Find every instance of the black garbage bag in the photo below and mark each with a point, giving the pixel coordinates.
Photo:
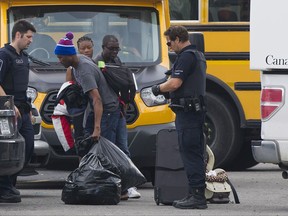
(129, 173)
(96, 182)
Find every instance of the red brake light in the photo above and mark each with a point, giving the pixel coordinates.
(271, 95)
(271, 102)
(267, 110)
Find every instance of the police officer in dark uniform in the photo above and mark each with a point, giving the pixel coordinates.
(186, 87)
(14, 77)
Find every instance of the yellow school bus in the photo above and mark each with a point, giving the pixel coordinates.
(139, 23)
(233, 108)
(233, 91)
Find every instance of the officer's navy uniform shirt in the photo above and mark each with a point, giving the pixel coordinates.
(183, 65)
(14, 73)
(190, 67)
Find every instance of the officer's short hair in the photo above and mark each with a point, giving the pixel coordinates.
(22, 26)
(177, 31)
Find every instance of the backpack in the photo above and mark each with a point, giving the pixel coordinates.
(121, 80)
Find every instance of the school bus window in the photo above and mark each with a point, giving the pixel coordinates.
(184, 9)
(245, 10)
(229, 10)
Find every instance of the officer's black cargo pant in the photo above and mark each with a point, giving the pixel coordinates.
(189, 126)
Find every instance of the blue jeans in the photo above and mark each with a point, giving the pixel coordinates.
(26, 130)
(189, 126)
(113, 128)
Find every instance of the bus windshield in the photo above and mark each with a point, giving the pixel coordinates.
(136, 29)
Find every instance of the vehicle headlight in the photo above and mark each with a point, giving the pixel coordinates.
(31, 93)
(150, 99)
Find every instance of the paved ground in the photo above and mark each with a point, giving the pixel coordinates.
(261, 190)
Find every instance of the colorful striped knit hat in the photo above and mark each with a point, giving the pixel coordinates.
(65, 46)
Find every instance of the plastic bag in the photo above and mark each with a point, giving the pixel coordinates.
(96, 181)
(129, 173)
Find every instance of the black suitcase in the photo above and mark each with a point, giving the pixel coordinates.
(170, 178)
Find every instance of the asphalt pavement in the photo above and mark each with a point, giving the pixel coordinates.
(261, 190)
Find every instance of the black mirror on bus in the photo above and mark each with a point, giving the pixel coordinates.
(197, 39)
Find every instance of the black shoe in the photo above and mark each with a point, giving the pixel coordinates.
(196, 200)
(191, 203)
(182, 200)
(15, 191)
(10, 198)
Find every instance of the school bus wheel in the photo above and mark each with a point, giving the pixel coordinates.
(222, 130)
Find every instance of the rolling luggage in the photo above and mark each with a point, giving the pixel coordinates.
(170, 178)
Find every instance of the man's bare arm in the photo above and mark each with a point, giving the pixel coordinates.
(171, 85)
(98, 110)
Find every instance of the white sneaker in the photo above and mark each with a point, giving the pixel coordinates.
(133, 193)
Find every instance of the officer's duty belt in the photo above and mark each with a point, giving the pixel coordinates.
(189, 104)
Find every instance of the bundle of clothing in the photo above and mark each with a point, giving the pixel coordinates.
(70, 102)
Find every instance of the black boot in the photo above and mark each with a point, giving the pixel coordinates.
(181, 200)
(9, 197)
(195, 200)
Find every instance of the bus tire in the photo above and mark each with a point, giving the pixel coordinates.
(244, 159)
(222, 130)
